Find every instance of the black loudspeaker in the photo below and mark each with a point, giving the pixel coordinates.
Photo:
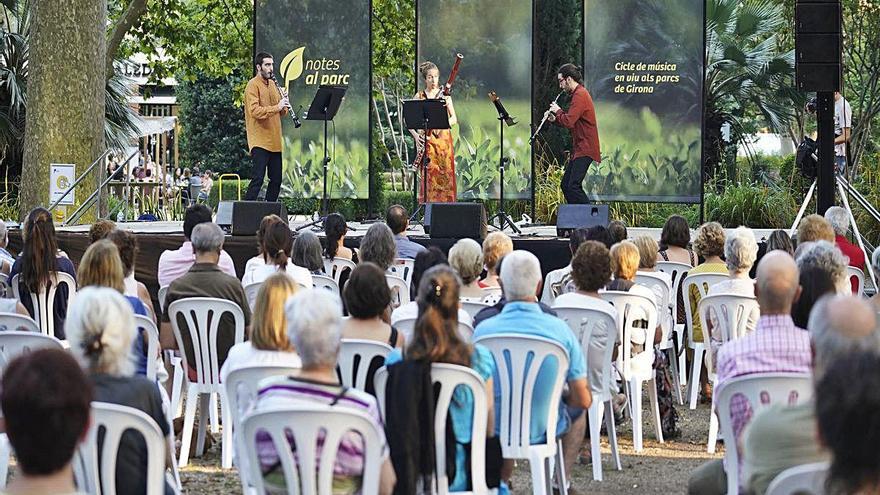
(818, 45)
(572, 217)
(244, 217)
(455, 220)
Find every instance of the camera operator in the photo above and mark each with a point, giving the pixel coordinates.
(842, 128)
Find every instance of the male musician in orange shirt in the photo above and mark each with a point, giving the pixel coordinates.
(263, 109)
(580, 119)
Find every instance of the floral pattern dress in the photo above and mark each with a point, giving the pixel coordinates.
(441, 166)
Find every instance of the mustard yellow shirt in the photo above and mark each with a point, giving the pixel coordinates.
(261, 116)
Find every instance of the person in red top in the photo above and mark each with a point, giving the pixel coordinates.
(580, 119)
(838, 217)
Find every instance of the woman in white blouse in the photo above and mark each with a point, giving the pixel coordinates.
(275, 248)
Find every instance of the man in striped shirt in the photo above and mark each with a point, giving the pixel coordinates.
(776, 346)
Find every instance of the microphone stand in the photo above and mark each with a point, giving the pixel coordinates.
(503, 118)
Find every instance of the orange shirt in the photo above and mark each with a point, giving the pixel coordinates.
(261, 116)
(581, 120)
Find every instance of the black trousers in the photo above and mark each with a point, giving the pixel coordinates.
(263, 160)
(573, 180)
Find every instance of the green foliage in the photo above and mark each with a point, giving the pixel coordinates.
(303, 173)
(751, 204)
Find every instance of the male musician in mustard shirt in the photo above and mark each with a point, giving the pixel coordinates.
(263, 109)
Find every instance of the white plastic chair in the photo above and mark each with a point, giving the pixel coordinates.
(163, 292)
(326, 283)
(336, 267)
(43, 303)
(450, 376)
(400, 296)
(473, 307)
(760, 390)
(250, 291)
(702, 282)
(15, 321)
(407, 327)
(197, 311)
(678, 271)
(517, 382)
(806, 478)
(305, 424)
(668, 344)
(491, 295)
(239, 392)
(596, 328)
(403, 268)
(97, 477)
(731, 315)
(355, 356)
(852, 271)
(637, 369)
(152, 343)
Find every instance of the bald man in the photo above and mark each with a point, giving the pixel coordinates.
(776, 345)
(784, 436)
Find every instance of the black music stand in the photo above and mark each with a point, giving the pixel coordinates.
(503, 118)
(424, 115)
(324, 106)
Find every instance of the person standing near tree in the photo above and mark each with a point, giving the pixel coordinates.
(263, 110)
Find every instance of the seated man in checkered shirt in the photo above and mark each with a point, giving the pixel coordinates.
(776, 346)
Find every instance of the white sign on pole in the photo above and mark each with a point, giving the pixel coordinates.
(61, 177)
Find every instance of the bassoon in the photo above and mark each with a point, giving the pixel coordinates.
(446, 90)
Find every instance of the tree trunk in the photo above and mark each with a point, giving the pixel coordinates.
(65, 117)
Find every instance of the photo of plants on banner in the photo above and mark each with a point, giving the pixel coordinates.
(311, 41)
(643, 64)
(496, 41)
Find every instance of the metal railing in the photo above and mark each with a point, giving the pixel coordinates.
(95, 197)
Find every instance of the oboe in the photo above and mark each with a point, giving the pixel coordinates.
(546, 115)
(281, 92)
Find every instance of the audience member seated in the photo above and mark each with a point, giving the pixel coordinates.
(780, 240)
(127, 244)
(101, 229)
(784, 436)
(648, 249)
(101, 267)
(839, 220)
(848, 419)
(276, 249)
(495, 246)
(875, 265)
(486, 313)
(559, 281)
(101, 330)
(335, 229)
(259, 260)
(378, 246)
(398, 221)
(675, 240)
(368, 300)
(46, 402)
(776, 345)
(617, 231)
(822, 270)
(436, 340)
(6, 258)
(709, 245)
(313, 322)
(424, 261)
(466, 258)
(814, 228)
(40, 257)
(521, 281)
(174, 264)
(624, 265)
(307, 252)
(268, 344)
(205, 279)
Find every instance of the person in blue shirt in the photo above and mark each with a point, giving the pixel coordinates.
(397, 220)
(521, 282)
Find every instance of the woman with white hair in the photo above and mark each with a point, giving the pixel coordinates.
(100, 328)
(466, 258)
(314, 325)
(838, 217)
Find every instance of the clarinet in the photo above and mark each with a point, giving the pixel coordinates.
(544, 120)
(296, 122)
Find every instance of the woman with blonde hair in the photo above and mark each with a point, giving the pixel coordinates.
(648, 253)
(624, 265)
(495, 246)
(268, 344)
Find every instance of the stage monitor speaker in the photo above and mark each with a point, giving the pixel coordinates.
(572, 217)
(455, 220)
(244, 217)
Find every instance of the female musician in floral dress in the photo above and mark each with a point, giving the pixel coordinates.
(441, 153)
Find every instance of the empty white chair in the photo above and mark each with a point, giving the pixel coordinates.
(399, 290)
(152, 343)
(668, 344)
(473, 307)
(407, 326)
(700, 282)
(240, 390)
(491, 295)
(305, 424)
(336, 267)
(15, 321)
(760, 391)
(596, 328)
(632, 309)
(43, 303)
(450, 376)
(355, 357)
(250, 291)
(677, 271)
(403, 268)
(97, 477)
(202, 316)
(806, 478)
(326, 283)
(852, 271)
(517, 380)
(731, 314)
